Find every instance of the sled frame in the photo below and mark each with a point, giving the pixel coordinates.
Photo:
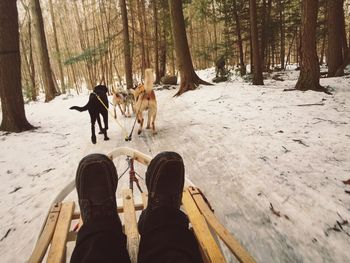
(63, 222)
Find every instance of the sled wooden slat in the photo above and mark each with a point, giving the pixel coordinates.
(120, 209)
(144, 200)
(233, 244)
(59, 240)
(205, 239)
(46, 235)
(131, 227)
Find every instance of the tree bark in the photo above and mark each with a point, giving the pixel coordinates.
(29, 62)
(346, 48)
(163, 45)
(12, 103)
(127, 58)
(142, 38)
(257, 74)
(309, 78)
(156, 40)
(239, 40)
(41, 47)
(189, 78)
(57, 49)
(282, 34)
(335, 52)
(215, 31)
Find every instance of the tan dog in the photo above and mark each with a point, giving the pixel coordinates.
(145, 100)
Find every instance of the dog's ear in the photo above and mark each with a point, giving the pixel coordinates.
(142, 88)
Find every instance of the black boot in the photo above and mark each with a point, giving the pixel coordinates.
(96, 183)
(165, 178)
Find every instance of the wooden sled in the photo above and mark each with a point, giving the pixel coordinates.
(60, 226)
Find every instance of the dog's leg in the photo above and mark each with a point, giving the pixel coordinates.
(105, 121)
(140, 118)
(149, 119)
(93, 118)
(121, 110)
(99, 124)
(115, 112)
(154, 115)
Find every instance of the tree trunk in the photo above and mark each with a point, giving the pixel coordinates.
(189, 78)
(163, 46)
(34, 92)
(83, 43)
(335, 52)
(309, 78)
(282, 33)
(57, 49)
(257, 74)
(263, 34)
(215, 31)
(12, 103)
(127, 58)
(323, 47)
(346, 48)
(156, 40)
(145, 29)
(142, 38)
(239, 40)
(41, 48)
(290, 49)
(29, 62)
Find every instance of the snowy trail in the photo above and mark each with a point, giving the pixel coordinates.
(246, 147)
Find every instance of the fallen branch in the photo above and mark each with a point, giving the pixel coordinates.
(311, 104)
(285, 149)
(338, 226)
(16, 189)
(347, 182)
(301, 142)
(277, 213)
(7, 233)
(42, 173)
(289, 89)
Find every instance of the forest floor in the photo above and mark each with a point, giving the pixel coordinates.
(275, 165)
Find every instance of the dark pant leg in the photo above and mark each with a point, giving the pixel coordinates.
(101, 240)
(165, 238)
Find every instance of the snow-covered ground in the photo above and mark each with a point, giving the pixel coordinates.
(271, 164)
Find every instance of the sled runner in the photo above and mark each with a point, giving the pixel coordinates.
(63, 221)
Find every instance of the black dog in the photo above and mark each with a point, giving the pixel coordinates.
(95, 108)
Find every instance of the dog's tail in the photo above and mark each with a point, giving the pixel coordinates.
(149, 79)
(80, 108)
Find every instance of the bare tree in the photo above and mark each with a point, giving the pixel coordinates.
(127, 58)
(57, 48)
(13, 113)
(257, 72)
(189, 78)
(335, 53)
(239, 39)
(156, 40)
(41, 48)
(309, 78)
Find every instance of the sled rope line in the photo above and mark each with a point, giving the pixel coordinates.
(116, 120)
(133, 126)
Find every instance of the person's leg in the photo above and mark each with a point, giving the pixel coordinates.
(100, 239)
(165, 236)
